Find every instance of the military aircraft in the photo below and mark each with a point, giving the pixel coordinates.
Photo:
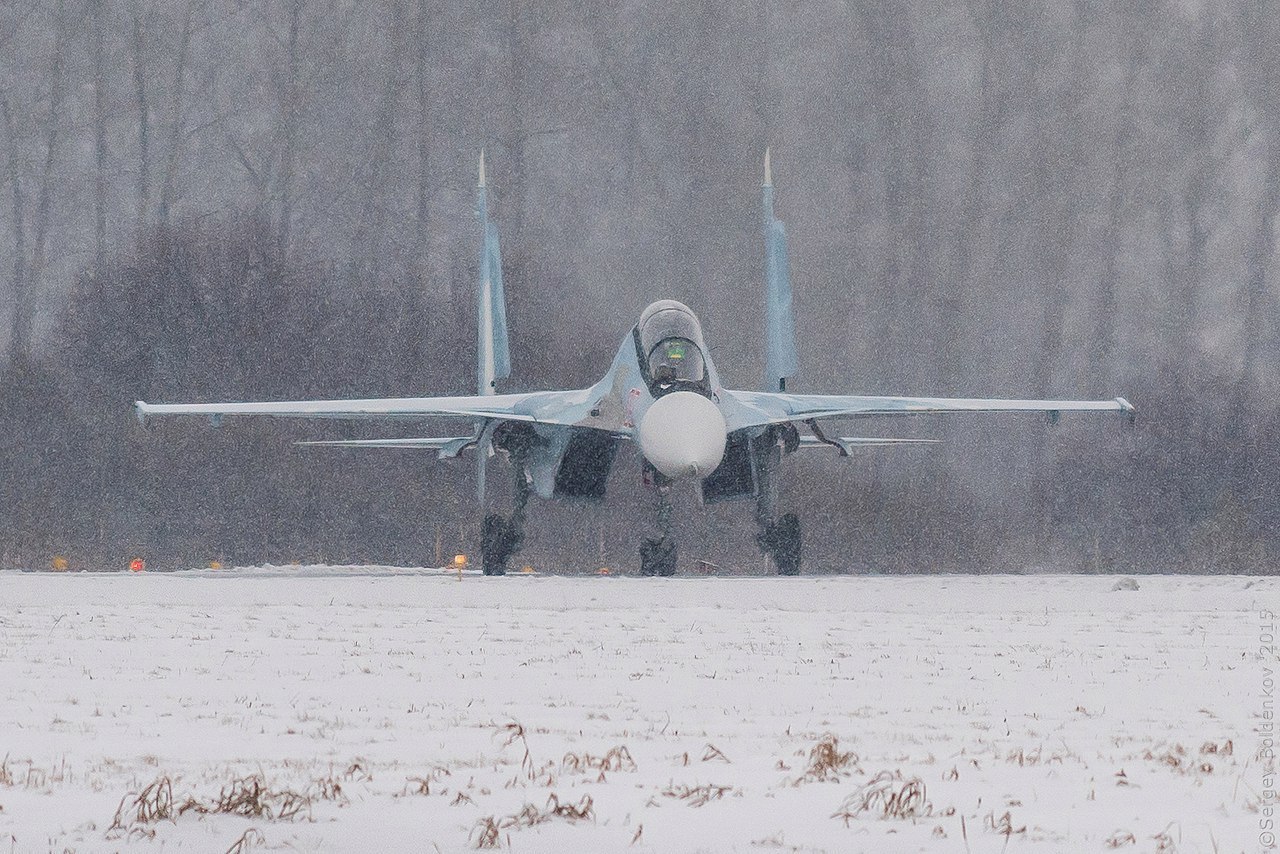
(662, 392)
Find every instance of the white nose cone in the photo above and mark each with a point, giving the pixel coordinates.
(683, 435)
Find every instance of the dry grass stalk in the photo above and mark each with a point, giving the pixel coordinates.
(247, 840)
(1119, 839)
(356, 770)
(1210, 747)
(1024, 758)
(486, 834)
(617, 759)
(462, 798)
(423, 784)
(515, 733)
(887, 795)
(250, 797)
(583, 810)
(530, 816)
(696, 796)
(713, 753)
(136, 811)
(639, 833)
(6, 776)
(328, 789)
(826, 762)
(1003, 825)
(489, 830)
(1166, 842)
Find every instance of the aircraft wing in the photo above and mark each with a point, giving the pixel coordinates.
(544, 407)
(757, 408)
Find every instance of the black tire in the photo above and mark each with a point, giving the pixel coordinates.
(786, 538)
(494, 551)
(658, 557)
(780, 540)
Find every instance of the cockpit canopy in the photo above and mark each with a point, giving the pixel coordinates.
(671, 345)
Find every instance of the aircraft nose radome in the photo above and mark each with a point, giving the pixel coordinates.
(683, 434)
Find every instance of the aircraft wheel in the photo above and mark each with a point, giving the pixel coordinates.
(781, 541)
(496, 544)
(787, 555)
(658, 557)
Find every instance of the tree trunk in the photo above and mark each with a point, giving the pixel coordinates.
(372, 211)
(24, 303)
(99, 134)
(289, 132)
(176, 110)
(144, 118)
(19, 220)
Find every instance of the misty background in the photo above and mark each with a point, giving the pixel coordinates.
(252, 200)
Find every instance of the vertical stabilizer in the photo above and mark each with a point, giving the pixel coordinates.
(780, 330)
(493, 354)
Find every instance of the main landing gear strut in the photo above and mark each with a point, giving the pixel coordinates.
(500, 537)
(778, 538)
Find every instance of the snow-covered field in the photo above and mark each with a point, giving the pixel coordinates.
(405, 712)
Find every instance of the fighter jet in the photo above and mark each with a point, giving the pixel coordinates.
(662, 392)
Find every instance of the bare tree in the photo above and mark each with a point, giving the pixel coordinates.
(142, 106)
(177, 100)
(368, 234)
(99, 9)
(27, 292)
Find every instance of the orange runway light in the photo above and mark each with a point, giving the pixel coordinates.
(137, 565)
(59, 563)
(459, 561)
(604, 570)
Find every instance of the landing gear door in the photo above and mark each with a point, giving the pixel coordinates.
(736, 477)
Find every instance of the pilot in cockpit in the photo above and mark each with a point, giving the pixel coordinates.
(670, 336)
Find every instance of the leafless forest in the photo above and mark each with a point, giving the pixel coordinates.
(275, 199)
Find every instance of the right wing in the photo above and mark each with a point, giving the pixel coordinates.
(756, 408)
(543, 407)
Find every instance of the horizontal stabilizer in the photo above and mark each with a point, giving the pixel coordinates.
(848, 443)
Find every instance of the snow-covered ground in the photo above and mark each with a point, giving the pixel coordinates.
(396, 711)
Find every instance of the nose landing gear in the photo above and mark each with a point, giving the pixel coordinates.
(658, 556)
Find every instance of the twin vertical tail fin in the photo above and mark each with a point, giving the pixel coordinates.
(493, 353)
(780, 329)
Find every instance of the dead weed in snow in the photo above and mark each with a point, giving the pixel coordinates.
(515, 733)
(1120, 839)
(617, 759)
(1180, 759)
(139, 810)
(695, 796)
(422, 785)
(887, 795)
(488, 831)
(247, 797)
(250, 797)
(826, 762)
(247, 840)
(1003, 825)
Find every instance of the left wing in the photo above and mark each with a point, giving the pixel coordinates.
(544, 407)
(759, 408)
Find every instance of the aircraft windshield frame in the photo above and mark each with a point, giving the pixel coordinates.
(677, 359)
